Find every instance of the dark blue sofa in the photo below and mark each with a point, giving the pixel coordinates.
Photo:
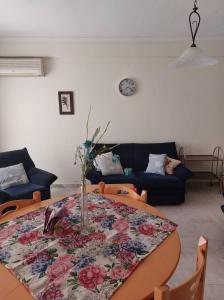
(39, 180)
(162, 190)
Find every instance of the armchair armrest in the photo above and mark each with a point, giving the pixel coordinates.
(4, 196)
(182, 172)
(41, 177)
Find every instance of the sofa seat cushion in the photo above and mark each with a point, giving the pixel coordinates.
(121, 179)
(150, 181)
(25, 190)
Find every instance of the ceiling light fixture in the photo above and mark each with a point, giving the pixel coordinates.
(194, 57)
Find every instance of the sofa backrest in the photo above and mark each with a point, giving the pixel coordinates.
(136, 156)
(125, 151)
(142, 151)
(15, 157)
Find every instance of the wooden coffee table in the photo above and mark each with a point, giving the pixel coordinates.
(154, 270)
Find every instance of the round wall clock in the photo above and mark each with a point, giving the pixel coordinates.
(127, 87)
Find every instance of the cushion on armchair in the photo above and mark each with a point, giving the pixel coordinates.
(12, 176)
(25, 191)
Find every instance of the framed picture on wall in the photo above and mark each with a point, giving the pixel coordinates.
(66, 103)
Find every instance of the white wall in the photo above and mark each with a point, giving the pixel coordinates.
(185, 105)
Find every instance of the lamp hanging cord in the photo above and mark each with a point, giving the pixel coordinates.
(192, 22)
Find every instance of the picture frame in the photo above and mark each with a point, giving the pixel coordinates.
(66, 103)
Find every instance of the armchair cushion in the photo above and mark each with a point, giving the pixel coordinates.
(25, 191)
(151, 181)
(41, 177)
(12, 176)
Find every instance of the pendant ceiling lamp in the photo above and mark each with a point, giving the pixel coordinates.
(194, 57)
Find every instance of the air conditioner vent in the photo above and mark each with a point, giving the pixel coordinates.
(21, 67)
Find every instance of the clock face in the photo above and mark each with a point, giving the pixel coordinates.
(127, 87)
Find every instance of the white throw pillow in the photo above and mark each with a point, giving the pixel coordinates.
(156, 164)
(107, 166)
(12, 176)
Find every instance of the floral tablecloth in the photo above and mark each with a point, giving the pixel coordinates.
(73, 265)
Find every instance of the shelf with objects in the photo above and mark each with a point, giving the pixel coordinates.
(216, 169)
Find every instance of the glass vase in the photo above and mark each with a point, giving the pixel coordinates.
(84, 206)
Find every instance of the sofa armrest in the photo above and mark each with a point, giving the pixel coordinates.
(41, 177)
(4, 196)
(94, 176)
(182, 172)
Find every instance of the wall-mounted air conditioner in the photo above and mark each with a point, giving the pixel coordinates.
(21, 66)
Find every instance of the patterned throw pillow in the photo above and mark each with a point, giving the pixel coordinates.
(108, 164)
(12, 175)
(156, 164)
(171, 164)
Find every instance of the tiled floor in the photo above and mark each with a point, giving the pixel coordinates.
(200, 214)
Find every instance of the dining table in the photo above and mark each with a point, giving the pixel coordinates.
(155, 270)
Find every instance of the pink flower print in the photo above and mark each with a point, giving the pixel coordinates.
(125, 256)
(147, 229)
(8, 231)
(92, 206)
(80, 240)
(53, 292)
(91, 276)
(60, 267)
(120, 225)
(118, 272)
(33, 214)
(70, 203)
(63, 228)
(168, 226)
(31, 257)
(28, 237)
(121, 237)
(99, 218)
(132, 268)
(97, 236)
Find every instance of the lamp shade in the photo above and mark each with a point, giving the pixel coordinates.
(193, 57)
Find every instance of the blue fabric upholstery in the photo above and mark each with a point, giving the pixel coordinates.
(142, 151)
(41, 177)
(39, 180)
(121, 179)
(25, 191)
(94, 176)
(148, 181)
(182, 172)
(15, 157)
(162, 190)
(4, 197)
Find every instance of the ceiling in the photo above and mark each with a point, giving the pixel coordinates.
(110, 19)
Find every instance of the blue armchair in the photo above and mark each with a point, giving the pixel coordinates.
(39, 180)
